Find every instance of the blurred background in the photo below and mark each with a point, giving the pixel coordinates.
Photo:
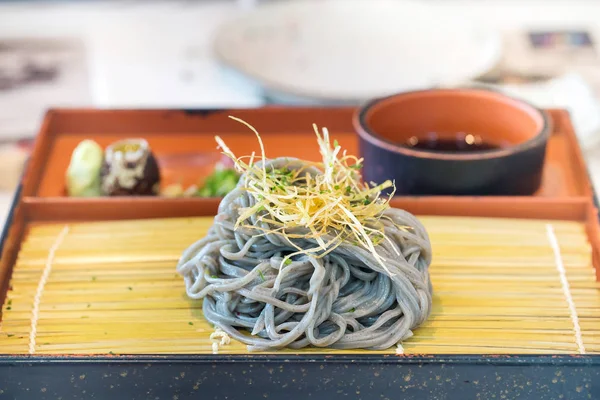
(250, 53)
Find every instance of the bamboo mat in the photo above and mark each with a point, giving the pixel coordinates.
(501, 286)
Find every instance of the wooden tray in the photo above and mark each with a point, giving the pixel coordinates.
(566, 194)
(285, 132)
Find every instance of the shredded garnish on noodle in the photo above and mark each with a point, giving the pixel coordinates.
(334, 206)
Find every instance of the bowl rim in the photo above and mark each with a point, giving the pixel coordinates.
(366, 133)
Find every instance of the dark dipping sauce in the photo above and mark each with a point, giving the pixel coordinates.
(456, 143)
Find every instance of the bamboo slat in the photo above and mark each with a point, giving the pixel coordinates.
(112, 288)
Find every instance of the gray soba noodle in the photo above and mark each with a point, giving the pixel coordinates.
(343, 300)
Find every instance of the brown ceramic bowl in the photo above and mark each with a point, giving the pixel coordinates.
(453, 142)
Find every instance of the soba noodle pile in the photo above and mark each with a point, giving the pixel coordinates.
(273, 282)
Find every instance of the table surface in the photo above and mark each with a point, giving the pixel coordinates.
(135, 46)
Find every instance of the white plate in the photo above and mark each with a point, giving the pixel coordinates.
(354, 50)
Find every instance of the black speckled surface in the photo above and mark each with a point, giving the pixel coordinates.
(301, 377)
